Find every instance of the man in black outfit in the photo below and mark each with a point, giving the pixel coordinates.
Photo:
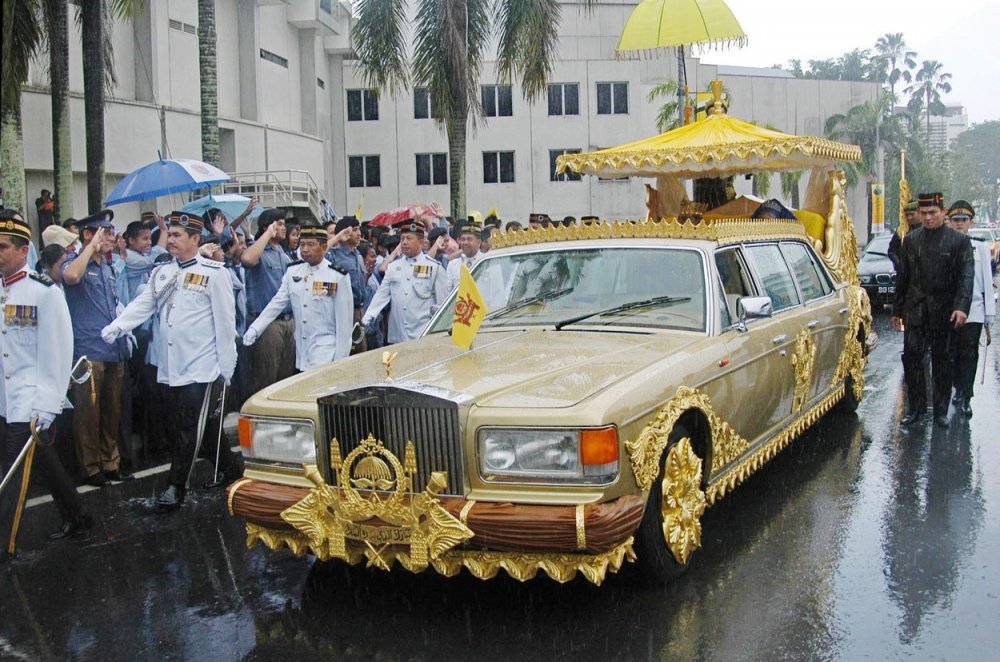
(912, 223)
(933, 294)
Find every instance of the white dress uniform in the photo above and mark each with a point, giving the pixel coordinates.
(455, 267)
(983, 307)
(323, 309)
(196, 337)
(416, 287)
(36, 339)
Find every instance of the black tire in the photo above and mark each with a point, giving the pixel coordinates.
(849, 403)
(655, 561)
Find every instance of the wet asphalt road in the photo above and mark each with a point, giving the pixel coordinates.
(859, 541)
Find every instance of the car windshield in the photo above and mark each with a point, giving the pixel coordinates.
(543, 288)
(878, 245)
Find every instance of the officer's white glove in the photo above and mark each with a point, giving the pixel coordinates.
(250, 337)
(227, 379)
(45, 419)
(368, 323)
(110, 333)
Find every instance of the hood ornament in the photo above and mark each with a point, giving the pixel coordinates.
(387, 359)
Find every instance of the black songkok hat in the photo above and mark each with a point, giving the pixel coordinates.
(15, 227)
(186, 219)
(409, 225)
(930, 200)
(313, 232)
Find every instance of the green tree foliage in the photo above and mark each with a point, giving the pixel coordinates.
(22, 36)
(925, 92)
(449, 41)
(976, 166)
(893, 61)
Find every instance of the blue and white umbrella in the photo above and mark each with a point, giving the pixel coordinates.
(231, 204)
(164, 177)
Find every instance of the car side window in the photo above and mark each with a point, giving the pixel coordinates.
(774, 275)
(734, 277)
(813, 283)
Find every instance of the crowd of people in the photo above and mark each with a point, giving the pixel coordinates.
(179, 312)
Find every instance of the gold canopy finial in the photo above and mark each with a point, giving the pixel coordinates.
(718, 106)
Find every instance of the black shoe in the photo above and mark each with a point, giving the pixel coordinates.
(912, 418)
(97, 480)
(941, 420)
(118, 475)
(170, 498)
(73, 529)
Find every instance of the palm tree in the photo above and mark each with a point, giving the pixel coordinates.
(861, 124)
(96, 18)
(925, 92)
(22, 36)
(896, 60)
(666, 117)
(790, 186)
(57, 28)
(209, 82)
(449, 39)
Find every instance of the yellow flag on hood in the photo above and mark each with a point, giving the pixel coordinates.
(470, 309)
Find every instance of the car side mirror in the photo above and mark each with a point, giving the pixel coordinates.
(749, 308)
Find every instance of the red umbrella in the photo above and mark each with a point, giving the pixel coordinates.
(412, 210)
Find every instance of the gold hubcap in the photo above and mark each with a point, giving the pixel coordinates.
(683, 500)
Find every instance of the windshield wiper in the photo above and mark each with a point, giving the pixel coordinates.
(655, 301)
(545, 296)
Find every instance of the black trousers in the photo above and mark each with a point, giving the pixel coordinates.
(940, 341)
(184, 408)
(967, 358)
(46, 465)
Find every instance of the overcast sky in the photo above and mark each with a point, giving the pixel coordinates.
(964, 35)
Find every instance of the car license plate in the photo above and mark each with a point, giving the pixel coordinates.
(886, 289)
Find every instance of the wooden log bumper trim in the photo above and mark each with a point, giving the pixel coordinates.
(505, 527)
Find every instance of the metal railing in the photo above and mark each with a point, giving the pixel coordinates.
(279, 188)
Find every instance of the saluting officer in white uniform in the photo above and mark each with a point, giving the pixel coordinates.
(196, 339)
(36, 357)
(415, 284)
(322, 304)
(469, 240)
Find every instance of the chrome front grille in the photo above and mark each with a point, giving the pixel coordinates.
(883, 279)
(394, 416)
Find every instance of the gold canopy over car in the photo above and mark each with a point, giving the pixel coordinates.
(627, 376)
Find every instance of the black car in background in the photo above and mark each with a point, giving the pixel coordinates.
(876, 272)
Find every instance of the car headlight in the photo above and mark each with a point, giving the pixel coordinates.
(865, 278)
(547, 455)
(278, 439)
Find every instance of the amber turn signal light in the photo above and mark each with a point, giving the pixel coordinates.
(245, 428)
(599, 446)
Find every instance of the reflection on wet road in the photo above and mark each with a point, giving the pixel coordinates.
(860, 540)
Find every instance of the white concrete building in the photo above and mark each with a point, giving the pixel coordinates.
(290, 99)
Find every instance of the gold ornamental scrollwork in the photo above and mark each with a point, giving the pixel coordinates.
(804, 361)
(683, 501)
(645, 451)
(372, 508)
(852, 359)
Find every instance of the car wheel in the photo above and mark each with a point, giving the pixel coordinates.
(849, 403)
(670, 530)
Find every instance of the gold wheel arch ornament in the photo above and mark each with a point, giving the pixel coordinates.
(682, 501)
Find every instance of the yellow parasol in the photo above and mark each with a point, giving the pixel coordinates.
(661, 24)
(657, 24)
(719, 145)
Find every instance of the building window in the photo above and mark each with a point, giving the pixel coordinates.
(498, 167)
(327, 6)
(183, 27)
(423, 104)
(321, 83)
(432, 169)
(274, 57)
(569, 175)
(362, 105)
(612, 98)
(497, 100)
(364, 171)
(564, 99)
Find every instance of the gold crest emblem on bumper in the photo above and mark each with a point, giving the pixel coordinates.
(372, 506)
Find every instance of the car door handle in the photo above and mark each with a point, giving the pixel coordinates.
(780, 338)
(844, 310)
(813, 324)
